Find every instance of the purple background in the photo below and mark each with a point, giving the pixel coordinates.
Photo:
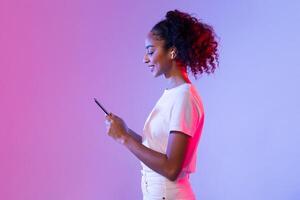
(56, 56)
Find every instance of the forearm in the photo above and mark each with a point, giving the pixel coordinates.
(155, 160)
(136, 136)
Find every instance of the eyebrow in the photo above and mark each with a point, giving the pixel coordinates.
(149, 46)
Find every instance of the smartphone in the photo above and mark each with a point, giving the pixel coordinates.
(104, 110)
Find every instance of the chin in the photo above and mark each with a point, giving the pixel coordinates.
(157, 74)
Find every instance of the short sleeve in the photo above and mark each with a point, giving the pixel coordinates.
(185, 114)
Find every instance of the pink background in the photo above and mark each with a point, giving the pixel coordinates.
(56, 56)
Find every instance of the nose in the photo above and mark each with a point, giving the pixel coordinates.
(145, 59)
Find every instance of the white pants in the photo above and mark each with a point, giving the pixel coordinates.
(155, 186)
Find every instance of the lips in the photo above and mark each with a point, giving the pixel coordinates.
(151, 68)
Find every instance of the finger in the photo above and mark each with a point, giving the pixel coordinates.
(109, 133)
(112, 116)
(109, 119)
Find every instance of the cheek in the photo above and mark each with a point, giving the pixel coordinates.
(159, 59)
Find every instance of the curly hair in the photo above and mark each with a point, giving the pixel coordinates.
(194, 40)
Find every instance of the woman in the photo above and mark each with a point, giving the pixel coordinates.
(167, 148)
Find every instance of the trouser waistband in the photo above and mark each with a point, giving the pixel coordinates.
(153, 174)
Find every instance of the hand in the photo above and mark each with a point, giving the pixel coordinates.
(116, 128)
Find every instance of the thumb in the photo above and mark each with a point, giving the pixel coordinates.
(109, 116)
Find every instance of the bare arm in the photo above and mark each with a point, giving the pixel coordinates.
(169, 164)
(136, 136)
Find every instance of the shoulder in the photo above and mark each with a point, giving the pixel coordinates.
(191, 97)
(188, 92)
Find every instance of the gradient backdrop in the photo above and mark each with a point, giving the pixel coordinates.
(57, 55)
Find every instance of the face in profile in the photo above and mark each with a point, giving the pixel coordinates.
(156, 57)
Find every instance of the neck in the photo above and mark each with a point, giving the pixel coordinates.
(177, 76)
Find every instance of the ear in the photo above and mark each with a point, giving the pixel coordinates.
(172, 52)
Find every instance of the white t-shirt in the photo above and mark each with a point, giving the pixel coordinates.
(178, 109)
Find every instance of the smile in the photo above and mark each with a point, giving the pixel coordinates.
(151, 67)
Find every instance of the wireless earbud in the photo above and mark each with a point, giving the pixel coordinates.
(172, 54)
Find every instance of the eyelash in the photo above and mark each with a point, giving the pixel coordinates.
(150, 53)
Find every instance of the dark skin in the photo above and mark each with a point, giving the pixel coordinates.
(170, 164)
